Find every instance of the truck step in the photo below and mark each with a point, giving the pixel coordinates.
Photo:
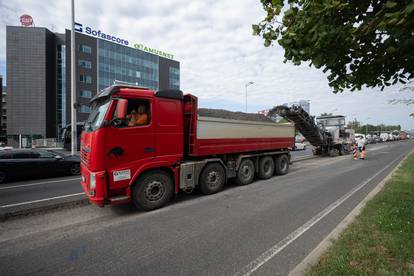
(118, 199)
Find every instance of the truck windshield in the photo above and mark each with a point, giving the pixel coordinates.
(97, 115)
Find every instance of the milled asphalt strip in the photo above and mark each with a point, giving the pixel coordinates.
(38, 183)
(275, 249)
(313, 257)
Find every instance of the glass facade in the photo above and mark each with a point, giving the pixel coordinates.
(117, 62)
(61, 87)
(174, 78)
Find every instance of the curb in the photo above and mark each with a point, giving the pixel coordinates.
(313, 257)
(42, 207)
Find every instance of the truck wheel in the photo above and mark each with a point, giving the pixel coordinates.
(282, 164)
(333, 152)
(153, 190)
(341, 150)
(74, 169)
(266, 167)
(212, 179)
(245, 174)
(3, 177)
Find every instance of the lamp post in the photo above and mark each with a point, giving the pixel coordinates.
(366, 127)
(245, 86)
(73, 81)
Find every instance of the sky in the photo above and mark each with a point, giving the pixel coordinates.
(217, 52)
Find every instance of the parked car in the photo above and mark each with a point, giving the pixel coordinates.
(36, 162)
(299, 146)
(359, 136)
(384, 137)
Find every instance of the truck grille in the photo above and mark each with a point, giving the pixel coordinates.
(84, 155)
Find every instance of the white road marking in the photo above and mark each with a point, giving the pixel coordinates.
(38, 183)
(275, 249)
(39, 200)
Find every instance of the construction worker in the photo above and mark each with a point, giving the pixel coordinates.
(361, 148)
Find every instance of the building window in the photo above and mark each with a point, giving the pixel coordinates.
(85, 64)
(85, 79)
(84, 109)
(174, 75)
(85, 49)
(86, 94)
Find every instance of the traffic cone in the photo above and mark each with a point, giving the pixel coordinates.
(355, 153)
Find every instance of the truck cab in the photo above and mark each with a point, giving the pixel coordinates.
(117, 147)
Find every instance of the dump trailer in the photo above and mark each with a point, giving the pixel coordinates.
(178, 147)
(327, 133)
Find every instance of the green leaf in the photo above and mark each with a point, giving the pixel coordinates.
(391, 50)
(256, 29)
(390, 4)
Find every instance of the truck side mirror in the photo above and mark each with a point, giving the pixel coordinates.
(121, 109)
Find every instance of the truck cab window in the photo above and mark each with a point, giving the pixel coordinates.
(138, 113)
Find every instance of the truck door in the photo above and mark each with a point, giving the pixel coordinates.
(130, 143)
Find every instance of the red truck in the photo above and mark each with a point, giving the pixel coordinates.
(176, 149)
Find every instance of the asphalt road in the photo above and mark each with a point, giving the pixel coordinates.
(30, 191)
(265, 228)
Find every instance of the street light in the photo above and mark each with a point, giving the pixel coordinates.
(73, 82)
(247, 85)
(366, 126)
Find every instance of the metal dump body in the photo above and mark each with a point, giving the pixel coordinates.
(216, 136)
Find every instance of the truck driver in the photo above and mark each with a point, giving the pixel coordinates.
(138, 118)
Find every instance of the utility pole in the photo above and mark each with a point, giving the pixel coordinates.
(366, 127)
(74, 126)
(245, 86)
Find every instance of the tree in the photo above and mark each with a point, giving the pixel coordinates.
(357, 43)
(407, 89)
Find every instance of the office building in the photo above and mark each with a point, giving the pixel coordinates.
(39, 74)
(3, 111)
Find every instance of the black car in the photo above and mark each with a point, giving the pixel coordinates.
(36, 162)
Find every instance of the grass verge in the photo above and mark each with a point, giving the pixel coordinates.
(381, 239)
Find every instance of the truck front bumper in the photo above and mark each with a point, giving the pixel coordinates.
(94, 185)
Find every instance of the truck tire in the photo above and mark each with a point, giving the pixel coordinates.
(3, 177)
(212, 178)
(245, 174)
(74, 169)
(153, 190)
(266, 167)
(282, 164)
(341, 150)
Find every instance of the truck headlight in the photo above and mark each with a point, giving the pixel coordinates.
(92, 181)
